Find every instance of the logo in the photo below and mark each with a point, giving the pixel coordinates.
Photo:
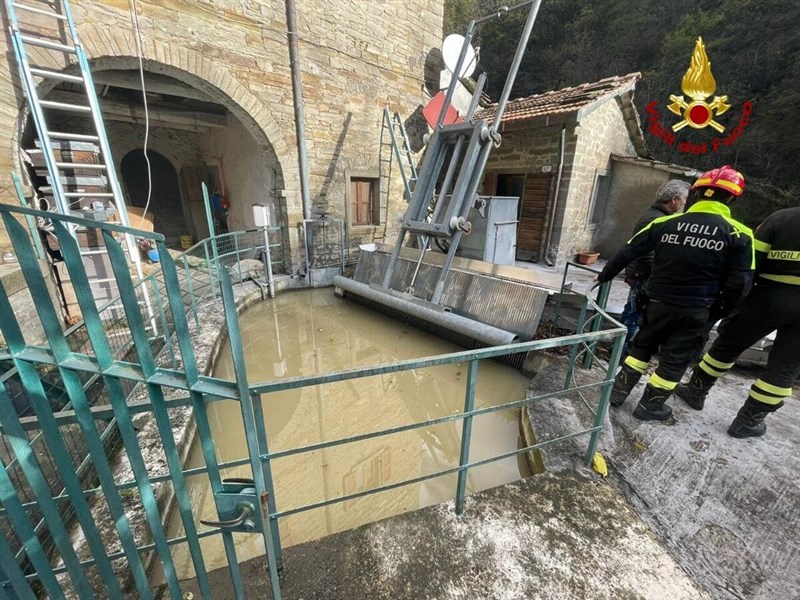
(698, 84)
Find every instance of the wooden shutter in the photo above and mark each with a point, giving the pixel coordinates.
(361, 194)
(533, 206)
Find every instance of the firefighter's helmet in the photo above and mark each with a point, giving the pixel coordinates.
(724, 178)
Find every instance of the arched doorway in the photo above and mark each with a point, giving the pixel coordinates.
(166, 207)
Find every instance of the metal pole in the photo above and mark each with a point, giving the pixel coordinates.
(574, 352)
(602, 300)
(616, 352)
(37, 239)
(297, 98)
(268, 258)
(561, 293)
(466, 436)
(305, 241)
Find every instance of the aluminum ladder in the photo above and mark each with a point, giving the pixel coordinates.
(402, 150)
(70, 50)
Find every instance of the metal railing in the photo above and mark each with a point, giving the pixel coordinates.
(204, 274)
(238, 252)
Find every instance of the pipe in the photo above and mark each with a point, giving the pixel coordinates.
(493, 336)
(554, 205)
(297, 100)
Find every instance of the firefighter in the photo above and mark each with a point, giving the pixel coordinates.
(670, 199)
(702, 267)
(773, 305)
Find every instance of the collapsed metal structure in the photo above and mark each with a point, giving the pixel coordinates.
(456, 155)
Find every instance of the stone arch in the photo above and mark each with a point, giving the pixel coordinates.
(111, 50)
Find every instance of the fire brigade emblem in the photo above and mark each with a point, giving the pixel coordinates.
(698, 83)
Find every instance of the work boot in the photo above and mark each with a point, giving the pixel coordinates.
(749, 421)
(652, 406)
(626, 380)
(694, 393)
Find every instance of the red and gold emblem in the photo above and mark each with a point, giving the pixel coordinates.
(698, 83)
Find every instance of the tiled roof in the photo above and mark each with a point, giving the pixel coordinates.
(567, 100)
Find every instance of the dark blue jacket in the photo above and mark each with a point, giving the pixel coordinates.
(701, 257)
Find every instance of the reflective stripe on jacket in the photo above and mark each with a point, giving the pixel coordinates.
(778, 247)
(701, 257)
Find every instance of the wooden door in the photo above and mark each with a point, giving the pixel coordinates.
(532, 211)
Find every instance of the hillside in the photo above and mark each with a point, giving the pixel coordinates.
(753, 46)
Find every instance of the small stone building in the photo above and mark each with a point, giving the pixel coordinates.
(556, 156)
(219, 95)
(633, 186)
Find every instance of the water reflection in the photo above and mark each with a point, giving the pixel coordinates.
(313, 332)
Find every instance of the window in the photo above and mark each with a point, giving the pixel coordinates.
(597, 206)
(511, 185)
(364, 201)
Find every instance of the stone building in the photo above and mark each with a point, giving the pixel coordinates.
(219, 94)
(556, 156)
(633, 186)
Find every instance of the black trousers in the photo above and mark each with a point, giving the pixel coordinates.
(769, 307)
(678, 331)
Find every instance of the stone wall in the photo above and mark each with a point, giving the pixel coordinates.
(528, 148)
(633, 190)
(356, 58)
(22, 303)
(600, 134)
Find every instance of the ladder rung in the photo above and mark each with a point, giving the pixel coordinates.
(93, 252)
(39, 11)
(34, 41)
(56, 75)
(88, 195)
(104, 280)
(65, 106)
(76, 166)
(75, 137)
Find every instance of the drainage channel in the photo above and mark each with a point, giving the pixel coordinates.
(313, 332)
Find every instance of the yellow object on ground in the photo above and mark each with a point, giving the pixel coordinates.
(187, 242)
(599, 464)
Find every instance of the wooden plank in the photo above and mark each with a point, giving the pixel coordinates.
(532, 212)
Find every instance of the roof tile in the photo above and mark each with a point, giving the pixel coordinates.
(562, 101)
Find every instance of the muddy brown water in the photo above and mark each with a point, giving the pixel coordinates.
(313, 332)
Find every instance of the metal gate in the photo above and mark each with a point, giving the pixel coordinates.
(69, 534)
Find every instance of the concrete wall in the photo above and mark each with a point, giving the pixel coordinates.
(235, 150)
(633, 189)
(357, 57)
(600, 134)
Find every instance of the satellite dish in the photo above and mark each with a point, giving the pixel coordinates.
(451, 49)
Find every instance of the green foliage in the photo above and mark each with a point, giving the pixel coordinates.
(754, 50)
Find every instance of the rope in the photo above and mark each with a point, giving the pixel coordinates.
(135, 22)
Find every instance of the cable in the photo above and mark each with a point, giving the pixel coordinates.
(135, 21)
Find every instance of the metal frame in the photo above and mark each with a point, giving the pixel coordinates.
(37, 106)
(468, 145)
(197, 392)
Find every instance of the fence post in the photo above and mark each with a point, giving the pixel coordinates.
(266, 468)
(574, 352)
(604, 396)
(602, 300)
(466, 436)
(190, 285)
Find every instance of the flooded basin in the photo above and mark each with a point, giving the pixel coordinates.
(313, 332)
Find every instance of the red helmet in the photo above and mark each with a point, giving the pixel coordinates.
(724, 178)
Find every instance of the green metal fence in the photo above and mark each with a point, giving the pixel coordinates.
(85, 560)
